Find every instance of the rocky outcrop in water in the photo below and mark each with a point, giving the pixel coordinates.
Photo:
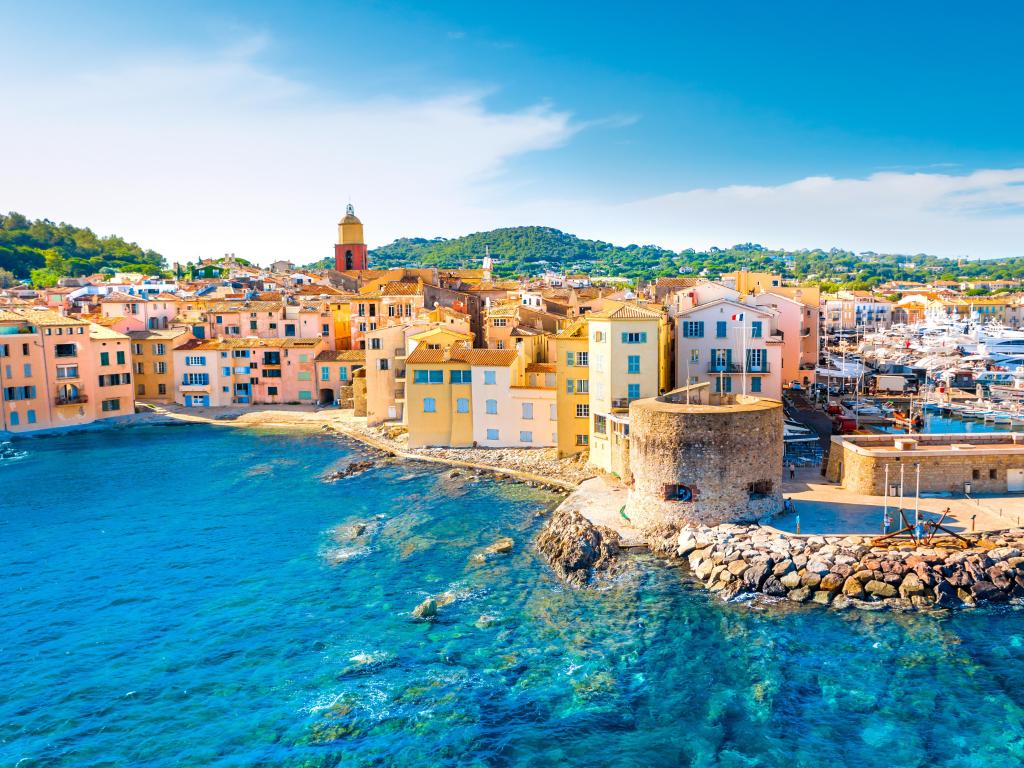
(576, 549)
(353, 468)
(848, 571)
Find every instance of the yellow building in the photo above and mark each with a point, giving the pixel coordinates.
(626, 363)
(438, 406)
(153, 363)
(572, 388)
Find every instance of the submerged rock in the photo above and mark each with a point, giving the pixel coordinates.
(425, 610)
(502, 546)
(353, 468)
(577, 549)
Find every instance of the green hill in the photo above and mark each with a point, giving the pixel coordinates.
(44, 251)
(532, 250)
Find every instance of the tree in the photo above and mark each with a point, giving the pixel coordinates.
(7, 279)
(44, 278)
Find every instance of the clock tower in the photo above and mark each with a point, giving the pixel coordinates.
(350, 252)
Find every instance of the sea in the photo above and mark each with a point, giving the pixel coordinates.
(200, 596)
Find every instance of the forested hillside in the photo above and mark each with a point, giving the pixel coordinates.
(44, 251)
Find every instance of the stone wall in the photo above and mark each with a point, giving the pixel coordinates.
(727, 457)
(359, 396)
(859, 463)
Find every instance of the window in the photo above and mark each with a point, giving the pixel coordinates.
(634, 337)
(253, 325)
(678, 492)
(581, 358)
(140, 368)
(196, 360)
(693, 329)
(67, 371)
(633, 391)
(570, 358)
(304, 376)
(161, 389)
(343, 373)
(325, 330)
(633, 364)
(305, 394)
(491, 406)
(582, 386)
(527, 410)
(136, 349)
(490, 377)
(195, 379)
(271, 391)
(375, 343)
(382, 364)
(723, 384)
(600, 425)
(755, 384)
(694, 356)
(492, 434)
(462, 405)
(598, 335)
(461, 377)
(991, 474)
(140, 389)
(114, 404)
(14, 418)
(756, 328)
(582, 439)
(759, 489)
(419, 377)
(436, 377)
(429, 405)
(553, 416)
(568, 386)
(582, 411)
(289, 329)
(499, 322)
(756, 360)
(526, 437)
(104, 358)
(31, 415)
(501, 344)
(721, 329)
(325, 373)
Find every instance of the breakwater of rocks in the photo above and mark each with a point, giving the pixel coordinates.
(849, 571)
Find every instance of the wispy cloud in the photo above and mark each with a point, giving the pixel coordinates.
(977, 214)
(213, 152)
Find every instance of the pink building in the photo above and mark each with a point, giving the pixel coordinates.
(58, 371)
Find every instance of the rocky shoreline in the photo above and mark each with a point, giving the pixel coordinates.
(847, 571)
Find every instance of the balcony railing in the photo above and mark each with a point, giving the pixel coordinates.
(75, 400)
(620, 404)
(400, 353)
(737, 368)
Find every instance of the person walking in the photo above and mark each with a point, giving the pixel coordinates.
(792, 470)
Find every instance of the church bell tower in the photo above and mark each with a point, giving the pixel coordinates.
(350, 252)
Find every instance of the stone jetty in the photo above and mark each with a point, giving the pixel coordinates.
(848, 571)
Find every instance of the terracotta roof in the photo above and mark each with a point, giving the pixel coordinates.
(576, 330)
(243, 306)
(47, 317)
(402, 289)
(250, 343)
(342, 356)
(120, 297)
(460, 353)
(625, 311)
(525, 330)
(540, 368)
(158, 333)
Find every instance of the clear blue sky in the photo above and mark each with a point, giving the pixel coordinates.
(655, 102)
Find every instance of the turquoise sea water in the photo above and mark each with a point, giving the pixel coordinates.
(192, 597)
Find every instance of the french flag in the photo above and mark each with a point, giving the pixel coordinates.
(738, 317)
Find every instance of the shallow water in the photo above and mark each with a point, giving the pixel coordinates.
(193, 596)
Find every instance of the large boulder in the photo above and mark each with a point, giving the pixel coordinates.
(880, 589)
(756, 574)
(577, 549)
(911, 585)
(773, 587)
(987, 591)
(853, 588)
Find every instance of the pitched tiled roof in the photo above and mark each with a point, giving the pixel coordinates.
(243, 306)
(342, 356)
(250, 343)
(460, 353)
(402, 289)
(576, 330)
(625, 311)
(120, 297)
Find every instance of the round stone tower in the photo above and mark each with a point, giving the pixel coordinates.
(708, 463)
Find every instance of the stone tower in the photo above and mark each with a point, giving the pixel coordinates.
(350, 252)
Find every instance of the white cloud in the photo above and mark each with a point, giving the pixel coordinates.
(198, 156)
(977, 214)
(202, 154)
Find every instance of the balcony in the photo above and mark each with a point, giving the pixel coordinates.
(400, 353)
(74, 400)
(400, 395)
(620, 404)
(737, 368)
(194, 387)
